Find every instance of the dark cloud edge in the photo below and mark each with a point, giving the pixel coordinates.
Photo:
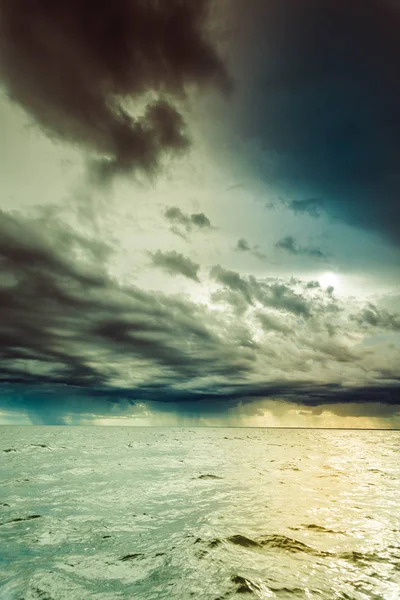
(301, 393)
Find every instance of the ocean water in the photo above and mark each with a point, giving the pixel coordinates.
(164, 513)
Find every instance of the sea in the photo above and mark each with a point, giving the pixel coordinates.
(113, 513)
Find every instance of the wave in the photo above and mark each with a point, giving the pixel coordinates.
(360, 558)
(19, 519)
(242, 540)
(27, 447)
(267, 541)
(317, 528)
(291, 545)
(131, 556)
(244, 586)
(286, 543)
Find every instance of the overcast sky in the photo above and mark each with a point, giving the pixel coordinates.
(200, 218)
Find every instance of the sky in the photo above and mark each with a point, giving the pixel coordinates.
(199, 213)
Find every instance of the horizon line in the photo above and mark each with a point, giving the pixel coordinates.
(207, 427)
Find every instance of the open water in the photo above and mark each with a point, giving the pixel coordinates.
(163, 513)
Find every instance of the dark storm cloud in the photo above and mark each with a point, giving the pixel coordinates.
(65, 323)
(183, 223)
(175, 263)
(290, 245)
(320, 89)
(50, 405)
(76, 66)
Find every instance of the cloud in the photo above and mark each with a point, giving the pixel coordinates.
(354, 409)
(273, 294)
(108, 76)
(372, 316)
(313, 285)
(310, 206)
(290, 245)
(244, 246)
(322, 97)
(66, 322)
(176, 264)
(200, 220)
(183, 222)
(176, 216)
(60, 407)
(74, 340)
(272, 323)
(233, 281)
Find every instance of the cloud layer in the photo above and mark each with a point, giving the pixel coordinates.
(69, 330)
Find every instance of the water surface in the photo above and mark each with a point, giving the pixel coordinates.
(164, 513)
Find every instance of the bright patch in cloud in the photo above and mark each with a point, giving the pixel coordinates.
(330, 279)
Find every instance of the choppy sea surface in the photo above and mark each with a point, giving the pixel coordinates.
(164, 513)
